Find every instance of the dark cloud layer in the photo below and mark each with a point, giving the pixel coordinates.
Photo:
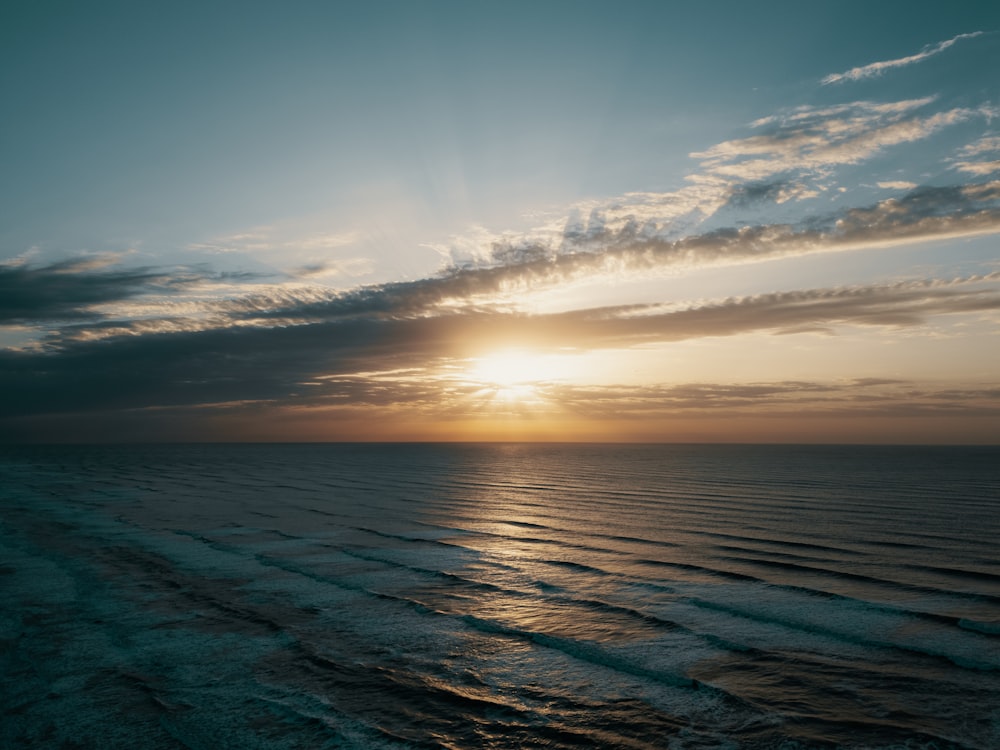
(62, 291)
(70, 290)
(301, 363)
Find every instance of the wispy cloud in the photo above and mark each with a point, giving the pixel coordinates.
(338, 268)
(970, 158)
(986, 144)
(293, 252)
(875, 69)
(979, 168)
(814, 140)
(897, 185)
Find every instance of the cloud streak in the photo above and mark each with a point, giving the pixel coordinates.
(782, 399)
(317, 363)
(876, 69)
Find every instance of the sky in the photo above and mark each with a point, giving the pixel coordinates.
(628, 221)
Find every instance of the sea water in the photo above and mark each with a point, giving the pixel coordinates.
(502, 596)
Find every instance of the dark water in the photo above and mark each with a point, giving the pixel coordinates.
(503, 596)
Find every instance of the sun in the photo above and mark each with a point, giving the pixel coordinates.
(517, 375)
(507, 369)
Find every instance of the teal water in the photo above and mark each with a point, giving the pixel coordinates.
(506, 596)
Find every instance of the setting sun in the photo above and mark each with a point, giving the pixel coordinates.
(510, 368)
(517, 375)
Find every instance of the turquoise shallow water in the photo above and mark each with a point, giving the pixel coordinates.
(392, 596)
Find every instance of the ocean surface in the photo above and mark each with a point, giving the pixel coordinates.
(499, 596)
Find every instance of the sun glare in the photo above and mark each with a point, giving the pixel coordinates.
(509, 368)
(515, 375)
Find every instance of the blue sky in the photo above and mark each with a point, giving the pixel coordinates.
(655, 221)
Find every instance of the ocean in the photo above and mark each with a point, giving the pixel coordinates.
(499, 596)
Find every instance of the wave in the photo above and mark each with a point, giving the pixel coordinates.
(453, 597)
(990, 627)
(861, 577)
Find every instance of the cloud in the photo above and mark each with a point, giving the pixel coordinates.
(979, 166)
(792, 158)
(758, 192)
(73, 289)
(778, 399)
(364, 409)
(330, 361)
(897, 185)
(875, 69)
(813, 140)
(983, 145)
(405, 390)
(896, 305)
(920, 215)
(338, 268)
